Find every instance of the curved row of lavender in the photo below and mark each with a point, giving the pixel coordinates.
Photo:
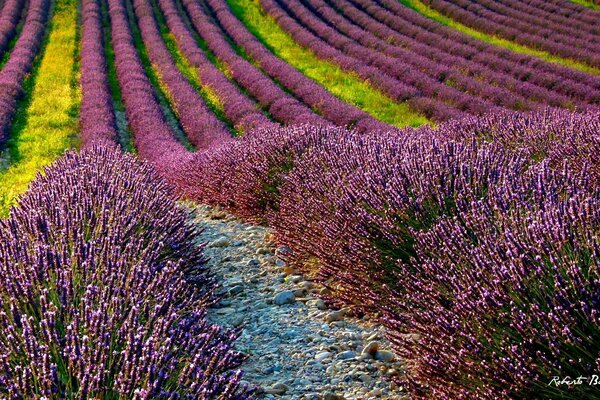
(500, 88)
(394, 88)
(572, 16)
(477, 242)
(201, 126)
(330, 31)
(397, 68)
(242, 111)
(569, 9)
(415, 28)
(512, 21)
(311, 93)
(20, 62)
(154, 139)
(282, 106)
(103, 292)
(97, 120)
(10, 14)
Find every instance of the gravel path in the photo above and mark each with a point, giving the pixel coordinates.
(298, 348)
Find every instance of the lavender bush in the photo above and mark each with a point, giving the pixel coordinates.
(244, 176)
(103, 293)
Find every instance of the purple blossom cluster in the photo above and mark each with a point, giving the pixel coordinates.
(96, 116)
(245, 175)
(529, 25)
(201, 126)
(304, 88)
(555, 135)
(282, 106)
(9, 17)
(242, 111)
(154, 139)
(103, 292)
(20, 62)
(476, 241)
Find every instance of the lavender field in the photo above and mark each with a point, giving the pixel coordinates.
(299, 199)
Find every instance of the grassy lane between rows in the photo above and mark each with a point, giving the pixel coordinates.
(430, 13)
(587, 3)
(346, 86)
(47, 122)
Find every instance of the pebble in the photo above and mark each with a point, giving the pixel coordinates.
(285, 297)
(332, 396)
(297, 348)
(236, 290)
(384, 355)
(370, 348)
(335, 315)
(346, 355)
(220, 242)
(318, 303)
(278, 388)
(322, 356)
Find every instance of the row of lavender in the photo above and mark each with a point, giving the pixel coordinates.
(9, 17)
(103, 292)
(360, 34)
(154, 139)
(530, 69)
(528, 25)
(477, 242)
(282, 106)
(237, 107)
(315, 96)
(459, 70)
(201, 126)
(20, 62)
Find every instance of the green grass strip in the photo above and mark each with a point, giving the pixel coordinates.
(587, 3)
(48, 122)
(346, 86)
(429, 12)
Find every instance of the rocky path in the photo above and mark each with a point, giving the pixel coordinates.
(298, 349)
